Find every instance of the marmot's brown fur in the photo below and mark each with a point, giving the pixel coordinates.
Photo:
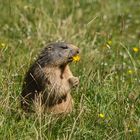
(49, 80)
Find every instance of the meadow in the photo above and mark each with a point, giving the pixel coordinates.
(107, 101)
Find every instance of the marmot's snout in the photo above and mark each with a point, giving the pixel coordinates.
(75, 49)
(73, 52)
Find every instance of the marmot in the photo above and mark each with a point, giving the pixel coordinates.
(50, 78)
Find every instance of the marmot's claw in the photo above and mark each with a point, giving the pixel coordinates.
(74, 81)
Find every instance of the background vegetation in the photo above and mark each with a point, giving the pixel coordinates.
(107, 101)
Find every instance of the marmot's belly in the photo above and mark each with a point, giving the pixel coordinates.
(64, 107)
(59, 87)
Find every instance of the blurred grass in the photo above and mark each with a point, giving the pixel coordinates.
(106, 32)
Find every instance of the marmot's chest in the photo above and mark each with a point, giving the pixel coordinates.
(58, 82)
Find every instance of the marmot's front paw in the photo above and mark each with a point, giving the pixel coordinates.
(74, 81)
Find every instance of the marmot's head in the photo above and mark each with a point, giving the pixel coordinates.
(57, 54)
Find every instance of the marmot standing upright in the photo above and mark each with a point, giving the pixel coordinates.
(50, 78)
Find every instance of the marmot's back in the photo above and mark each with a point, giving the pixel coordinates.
(51, 78)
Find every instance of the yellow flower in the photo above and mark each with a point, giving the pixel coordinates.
(3, 45)
(101, 115)
(76, 58)
(109, 42)
(130, 71)
(134, 130)
(135, 49)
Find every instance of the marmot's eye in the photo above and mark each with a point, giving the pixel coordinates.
(64, 47)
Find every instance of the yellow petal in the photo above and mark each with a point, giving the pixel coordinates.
(101, 115)
(109, 42)
(130, 71)
(76, 58)
(135, 49)
(2, 45)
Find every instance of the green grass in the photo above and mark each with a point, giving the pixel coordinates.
(109, 75)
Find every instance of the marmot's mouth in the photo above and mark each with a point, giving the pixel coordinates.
(73, 56)
(70, 59)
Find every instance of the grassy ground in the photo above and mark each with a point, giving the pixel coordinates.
(107, 101)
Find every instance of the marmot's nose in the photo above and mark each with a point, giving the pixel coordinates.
(78, 50)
